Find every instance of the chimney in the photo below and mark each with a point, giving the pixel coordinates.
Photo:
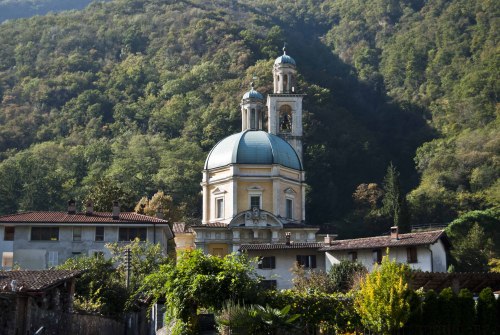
(394, 233)
(72, 207)
(159, 213)
(116, 210)
(89, 208)
(287, 238)
(328, 239)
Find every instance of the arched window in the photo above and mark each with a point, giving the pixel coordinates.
(253, 119)
(285, 119)
(285, 83)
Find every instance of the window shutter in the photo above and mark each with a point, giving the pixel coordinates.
(273, 262)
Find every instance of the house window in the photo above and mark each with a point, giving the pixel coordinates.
(268, 262)
(45, 233)
(411, 254)
(130, 234)
(7, 259)
(219, 208)
(53, 259)
(377, 256)
(99, 234)
(77, 233)
(254, 201)
(353, 255)
(8, 234)
(307, 261)
(289, 208)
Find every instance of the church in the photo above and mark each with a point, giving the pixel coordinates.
(254, 181)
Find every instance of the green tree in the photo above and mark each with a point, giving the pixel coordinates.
(382, 300)
(99, 288)
(145, 258)
(488, 220)
(106, 191)
(394, 203)
(472, 252)
(159, 202)
(201, 281)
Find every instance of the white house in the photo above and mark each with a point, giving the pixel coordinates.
(40, 240)
(277, 259)
(424, 251)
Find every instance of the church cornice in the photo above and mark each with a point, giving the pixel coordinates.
(283, 95)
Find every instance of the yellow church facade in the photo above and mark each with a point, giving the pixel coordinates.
(253, 182)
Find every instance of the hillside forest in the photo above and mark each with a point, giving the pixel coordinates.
(125, 98)
(14, 9)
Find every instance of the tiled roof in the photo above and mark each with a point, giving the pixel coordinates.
(30, 280)
(291, 225)
(181, 228)
(411, 239)
(278, 246)
(474, 281)
(64, 217)
(211, 225)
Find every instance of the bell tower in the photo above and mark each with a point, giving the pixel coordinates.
(284, 105)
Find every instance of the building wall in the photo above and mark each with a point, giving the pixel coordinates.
(285, 260)
(439, 257)
(266, 186)
(365, 257)
(35, 254)
(6, 247)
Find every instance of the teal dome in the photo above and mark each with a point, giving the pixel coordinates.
(284, 59)
(253, 94)
(253, 147)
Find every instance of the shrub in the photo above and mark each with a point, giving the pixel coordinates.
(486, 312)
(342, 275)
(467, 312)
(382, 301)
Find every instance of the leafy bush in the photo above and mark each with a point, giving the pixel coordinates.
(343, 275)
(201, 281)
(486, 312)
(382, 301)
(328, 312)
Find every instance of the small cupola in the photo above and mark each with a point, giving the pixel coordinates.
(284, 71)
(252, 105)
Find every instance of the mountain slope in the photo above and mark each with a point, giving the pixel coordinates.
(139, 91)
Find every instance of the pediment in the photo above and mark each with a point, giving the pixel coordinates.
(289, 190)
(218, 191)
(255, 188)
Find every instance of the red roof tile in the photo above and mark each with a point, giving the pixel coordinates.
(211, 225)
(277, 246)
(64, 217)
(30, 280)
(181, 228)
(411, 239)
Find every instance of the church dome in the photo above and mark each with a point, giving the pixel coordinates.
(284, 59)
(253, 94)
(253, 147)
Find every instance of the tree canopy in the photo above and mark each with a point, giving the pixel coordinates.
(138, 91)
